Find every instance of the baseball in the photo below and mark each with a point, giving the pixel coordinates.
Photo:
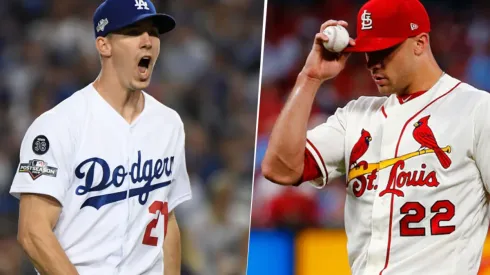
(338, 38)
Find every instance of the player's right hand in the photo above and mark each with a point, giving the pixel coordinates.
(322, 64)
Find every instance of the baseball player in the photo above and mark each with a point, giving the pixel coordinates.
(101, 173)
(415, 159)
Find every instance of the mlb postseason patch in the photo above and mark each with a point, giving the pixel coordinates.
(37, 168)
(40, 145)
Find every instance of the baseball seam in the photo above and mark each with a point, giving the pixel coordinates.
(334, 38)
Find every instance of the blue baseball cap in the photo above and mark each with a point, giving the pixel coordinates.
(113, 15)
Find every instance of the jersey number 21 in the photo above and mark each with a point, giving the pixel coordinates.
(161, 207)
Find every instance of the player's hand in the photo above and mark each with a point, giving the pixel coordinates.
(322, 64)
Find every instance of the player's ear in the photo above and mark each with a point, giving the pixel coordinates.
(421, 43)
(103, 45)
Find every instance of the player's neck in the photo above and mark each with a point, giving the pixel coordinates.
(129, 104)
(425, 78)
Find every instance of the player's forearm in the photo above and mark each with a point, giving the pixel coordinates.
(45, 252)
(283, 161)
(172, 248)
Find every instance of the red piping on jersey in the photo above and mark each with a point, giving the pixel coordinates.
(396, 154)
(383, 111)
(320, 156)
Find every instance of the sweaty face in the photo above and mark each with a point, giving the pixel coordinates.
(391, 68)
(135, 50)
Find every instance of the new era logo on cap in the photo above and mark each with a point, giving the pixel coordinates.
(102, 24)
(413, 26)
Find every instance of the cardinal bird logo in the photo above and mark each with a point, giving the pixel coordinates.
(360, 148)
(363, 176)
(424, 135)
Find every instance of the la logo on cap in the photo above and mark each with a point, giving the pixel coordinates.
(141, 4)
(366, 21)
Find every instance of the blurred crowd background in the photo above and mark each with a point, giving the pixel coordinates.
(460, 40)
(208, 71)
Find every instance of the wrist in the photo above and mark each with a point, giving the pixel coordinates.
(306, 84)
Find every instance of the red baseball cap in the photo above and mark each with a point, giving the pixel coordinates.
(382, 24)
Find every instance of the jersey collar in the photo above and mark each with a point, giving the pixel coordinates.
(393, 106)
(104, 107)
(405, 98)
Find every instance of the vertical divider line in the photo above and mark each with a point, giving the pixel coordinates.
(264, 19)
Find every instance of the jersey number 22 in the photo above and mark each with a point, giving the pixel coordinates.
(444, 211)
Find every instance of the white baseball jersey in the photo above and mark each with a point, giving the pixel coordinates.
(117, 182)
(417, 178)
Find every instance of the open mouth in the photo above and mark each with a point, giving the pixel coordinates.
(144, 64)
